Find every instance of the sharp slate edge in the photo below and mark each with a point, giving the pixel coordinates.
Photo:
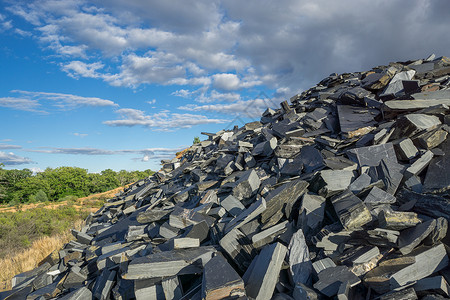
(341, 193)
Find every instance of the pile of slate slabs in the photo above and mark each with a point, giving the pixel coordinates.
(341, 194)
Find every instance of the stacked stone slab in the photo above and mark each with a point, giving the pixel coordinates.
(341, 193)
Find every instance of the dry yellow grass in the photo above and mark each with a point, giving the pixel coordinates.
(29, 259)
(78, 204)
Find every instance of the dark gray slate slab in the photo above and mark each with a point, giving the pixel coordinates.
(412, 124)
(330, 182)
(391, 173)
(351, 210)
(406, 149)
(169, 263)
(431, 205)
(262, 275)
(356, 121)
(269, 235)
(398, 220)
(172, 288)
(439, 232)
(303, 292)
(435, 95)
(247, 185)
(279, 198)
(436, 284)
(419, 165)
(232, 205)
(406, 294)
(148, 289)
(360, 183)
(313, 207)
(340, 163)
(322, 264)
(330, 279)
(239, 248)
(254, 210)
(220, 280)
(299, 262)
(427, 262)
(412, 237)
(372, 155)
(432, 139)
(310, 158)
(437, 178)
(199, 231)
(378, 196)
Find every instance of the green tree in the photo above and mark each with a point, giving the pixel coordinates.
(40, 196)
(196, 140)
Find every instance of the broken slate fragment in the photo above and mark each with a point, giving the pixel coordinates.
(439, 232)
(310, 158)
(436, 284)
(282, 196)
(232, 205)
(313, 207)
(427, 262)
(406, 294)
(269, 235)
(238, 247)
(378, 196)
(432, 139)
(330, 182)
(412, 237)
(398, 220)
(330, 279)
(405, 149)
(419, 165)
(437, 179)
(299, 262)
(254, 210)
(356, 121)
(220, 280)
(372, 155)
(247, 185)
(351, 210)
(169, 263)
(261, 277)
(412, 124)
(185, 242)
(360, 183)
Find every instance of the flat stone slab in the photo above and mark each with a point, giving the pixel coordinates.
(169, 263)
(372, 155)
(330, 279)
(286, 194)
(356, 121)
(411, 237)
(220, 280)
(261, 276)
(299, 261)
(351, 210)
(238, 247)
(411, 105)
(437, 178)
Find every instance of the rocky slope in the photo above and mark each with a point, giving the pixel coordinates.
(343, 192)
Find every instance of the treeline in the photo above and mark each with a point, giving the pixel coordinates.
(21, 186)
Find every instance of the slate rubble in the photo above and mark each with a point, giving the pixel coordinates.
(342, 193)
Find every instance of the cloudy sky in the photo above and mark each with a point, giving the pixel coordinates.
(123, 84)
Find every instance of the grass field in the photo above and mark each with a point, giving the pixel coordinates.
(28, 233)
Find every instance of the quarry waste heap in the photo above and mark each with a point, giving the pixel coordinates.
(341, 193)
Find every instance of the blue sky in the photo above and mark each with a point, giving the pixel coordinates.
(123, 84)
